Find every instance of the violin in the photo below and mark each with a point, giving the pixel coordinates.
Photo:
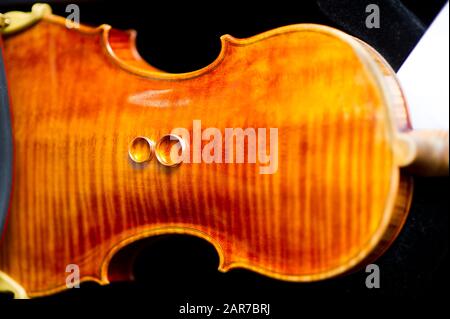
(292, 153)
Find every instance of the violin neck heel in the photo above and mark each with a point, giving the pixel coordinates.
(429, 153)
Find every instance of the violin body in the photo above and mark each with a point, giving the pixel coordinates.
(79, 96)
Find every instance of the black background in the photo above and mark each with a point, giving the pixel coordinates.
(173, 270)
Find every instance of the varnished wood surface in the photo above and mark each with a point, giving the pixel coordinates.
(337, 199)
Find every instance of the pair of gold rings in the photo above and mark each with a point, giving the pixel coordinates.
(169, 150)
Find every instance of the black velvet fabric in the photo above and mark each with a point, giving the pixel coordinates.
(179, 37)
(399, 27)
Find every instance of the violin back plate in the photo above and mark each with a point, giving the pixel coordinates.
(335, 200)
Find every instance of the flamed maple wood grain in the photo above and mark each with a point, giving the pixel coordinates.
(80, 96)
